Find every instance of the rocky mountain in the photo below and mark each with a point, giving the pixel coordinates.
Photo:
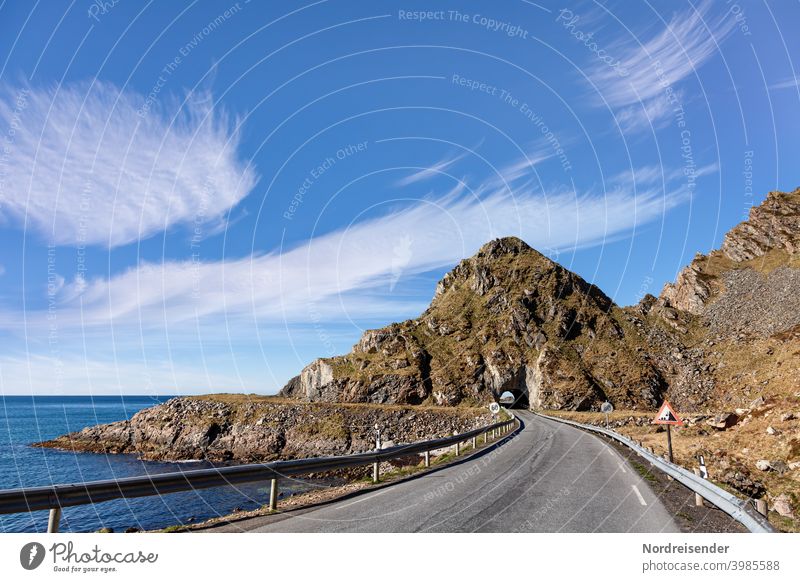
(506, 319)
(510, 319)
(738, 307)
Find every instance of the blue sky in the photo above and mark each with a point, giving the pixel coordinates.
(200, 197)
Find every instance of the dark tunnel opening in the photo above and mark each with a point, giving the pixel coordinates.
(515, 399)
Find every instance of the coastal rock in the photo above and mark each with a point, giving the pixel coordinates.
(239, 428)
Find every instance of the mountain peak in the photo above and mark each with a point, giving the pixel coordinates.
(507, 245)
(489, 266)
(506, 319)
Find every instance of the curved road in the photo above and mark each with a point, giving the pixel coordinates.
(549, 477)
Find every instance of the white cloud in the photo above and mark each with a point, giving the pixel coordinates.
(790, 83)
(657, 63)
(88, 164)
(651, 175)
(331, 277)
(431, 171)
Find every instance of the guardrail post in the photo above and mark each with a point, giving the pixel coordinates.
(427, 458)
(761, 507)
(474, 443)
(486, 437)
(698, 499)
(375, 473)
(53, 520)
(273, 495)
(458, 448)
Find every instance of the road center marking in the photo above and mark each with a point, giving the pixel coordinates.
(639, 495)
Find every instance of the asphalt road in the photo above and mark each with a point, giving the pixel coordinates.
(547, 478)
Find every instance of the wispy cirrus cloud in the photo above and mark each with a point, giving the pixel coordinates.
(346, 273)
(89, 165)
(655, 66)
(649, 176)
(790, 83)
(431, 171)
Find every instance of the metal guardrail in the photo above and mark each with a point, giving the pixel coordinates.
(737, 508)
(56, 497)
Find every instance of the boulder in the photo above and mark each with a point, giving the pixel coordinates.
(723, 420)
(783, 505)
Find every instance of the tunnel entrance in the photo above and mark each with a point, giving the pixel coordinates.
(515, 399)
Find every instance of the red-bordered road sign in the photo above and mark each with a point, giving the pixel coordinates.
(666, 415)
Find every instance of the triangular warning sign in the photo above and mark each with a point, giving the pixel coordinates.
(666, 415)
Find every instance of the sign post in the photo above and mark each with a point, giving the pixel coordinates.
(666, 415)
(607, 408)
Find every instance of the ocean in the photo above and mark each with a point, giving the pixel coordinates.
(25, 420)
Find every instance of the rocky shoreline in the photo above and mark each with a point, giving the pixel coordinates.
(241, 429)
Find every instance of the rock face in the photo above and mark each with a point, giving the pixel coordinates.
(769, 238)
(507, 319)
(691, 289)
(774, 224)
(244, 429)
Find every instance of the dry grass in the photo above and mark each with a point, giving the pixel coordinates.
(239, 399)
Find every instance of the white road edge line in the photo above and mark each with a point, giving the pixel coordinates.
(622, 467)
(639, 495)
(364, 498)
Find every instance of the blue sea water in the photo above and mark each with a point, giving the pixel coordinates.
(25, 420)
